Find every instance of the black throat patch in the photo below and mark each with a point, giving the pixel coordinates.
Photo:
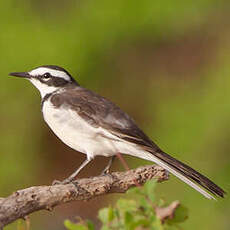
(47, 96)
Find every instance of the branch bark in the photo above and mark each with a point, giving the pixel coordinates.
(23, 202)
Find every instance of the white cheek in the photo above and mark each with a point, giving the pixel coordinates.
(43, 88)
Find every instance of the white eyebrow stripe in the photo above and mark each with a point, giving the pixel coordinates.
(53, 72)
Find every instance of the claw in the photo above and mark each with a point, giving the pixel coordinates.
(105, 172)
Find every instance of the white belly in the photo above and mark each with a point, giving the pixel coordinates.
(80, 136)
(77, 133)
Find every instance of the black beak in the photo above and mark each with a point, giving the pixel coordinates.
(20, 74)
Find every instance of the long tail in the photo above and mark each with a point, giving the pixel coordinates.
(185, 173)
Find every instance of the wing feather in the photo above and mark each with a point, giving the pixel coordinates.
(100, 112)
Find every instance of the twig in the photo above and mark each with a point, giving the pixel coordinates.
(164, 213)
(23, 202)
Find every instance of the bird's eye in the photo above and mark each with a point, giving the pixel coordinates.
(46, 76)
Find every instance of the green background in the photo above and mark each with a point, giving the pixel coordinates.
(166, 63)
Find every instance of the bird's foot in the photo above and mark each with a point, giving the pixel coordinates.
(107, 173)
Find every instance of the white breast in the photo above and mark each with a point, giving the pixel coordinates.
(79, 135)
(75, 132)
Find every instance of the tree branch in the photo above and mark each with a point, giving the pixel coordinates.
(26, 201)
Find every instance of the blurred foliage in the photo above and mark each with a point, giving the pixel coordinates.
(136, 213)
(164, 62)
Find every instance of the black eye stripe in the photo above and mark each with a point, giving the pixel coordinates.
(53, 81)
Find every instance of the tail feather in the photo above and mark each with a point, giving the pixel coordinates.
(186, 174)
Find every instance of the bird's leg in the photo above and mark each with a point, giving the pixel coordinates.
(72, 176)
(127, 167)
(106, 169)
(123, 162)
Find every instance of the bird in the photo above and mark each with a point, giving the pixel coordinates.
(95, 126)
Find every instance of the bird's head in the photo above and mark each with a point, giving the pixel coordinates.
(47, 78)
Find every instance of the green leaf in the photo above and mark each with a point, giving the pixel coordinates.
(140, 223)
(90, 225)
(104, 227)
(128, 219)
(106, 215)
(72, 226)
(157, 225)
(181, 214)
(135, 191)
(171, 227)
(103, 215)
(144, 203)
(130, 214)
(127, 205)
(149, 188)
(116, 213)
(161, 202)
